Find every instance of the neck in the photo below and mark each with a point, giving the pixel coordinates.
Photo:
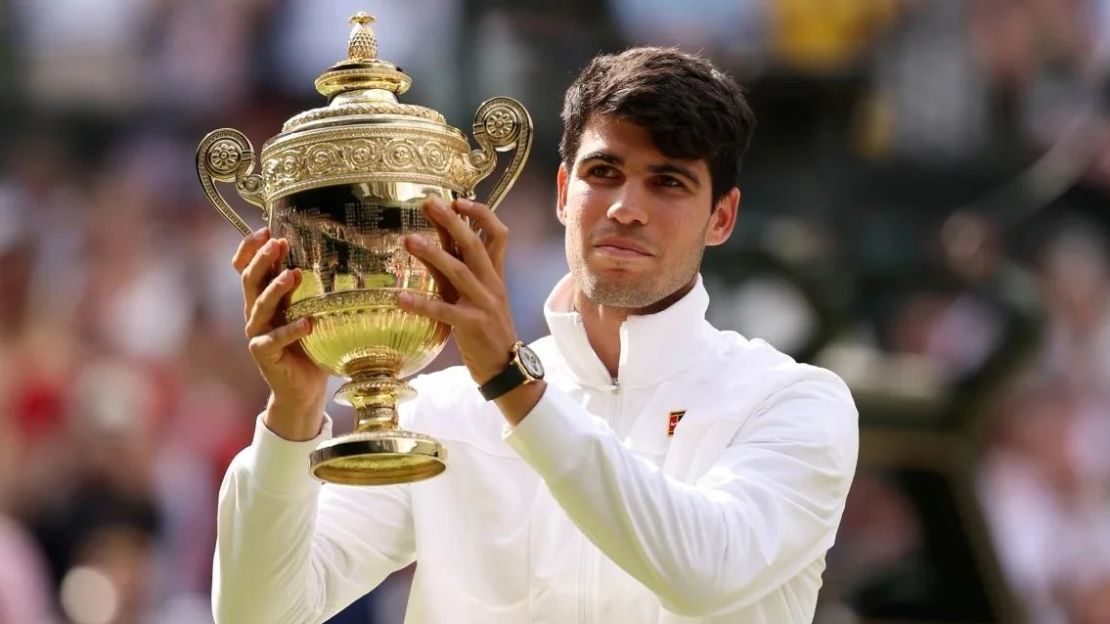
(603, 323)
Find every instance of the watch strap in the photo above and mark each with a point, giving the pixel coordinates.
(503, 382)
(510, 377)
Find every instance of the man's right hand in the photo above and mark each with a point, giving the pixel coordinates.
(297, 384)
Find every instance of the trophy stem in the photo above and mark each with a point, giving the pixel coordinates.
(378, 452)
(374, 395)
(375, 418)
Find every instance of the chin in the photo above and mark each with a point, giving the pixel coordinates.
(626, 277)
(619, 288)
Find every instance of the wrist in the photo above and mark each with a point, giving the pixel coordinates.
(294, 420)
(520, 401)
(481, 372)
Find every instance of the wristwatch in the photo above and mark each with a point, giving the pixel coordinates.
(524, 368)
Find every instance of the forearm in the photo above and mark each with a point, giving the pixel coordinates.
(700, 548)
(292, 550)
(262, 570)
(517, 403)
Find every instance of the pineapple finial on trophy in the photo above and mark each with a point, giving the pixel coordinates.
(362, 76)
(362, 45)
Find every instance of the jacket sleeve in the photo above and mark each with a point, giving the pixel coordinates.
(767, 508)
(290, 549)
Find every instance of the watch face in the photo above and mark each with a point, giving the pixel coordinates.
(531, 362)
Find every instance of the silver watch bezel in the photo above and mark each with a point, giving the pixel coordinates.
(524, 357)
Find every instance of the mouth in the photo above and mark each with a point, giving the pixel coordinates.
(621, 247)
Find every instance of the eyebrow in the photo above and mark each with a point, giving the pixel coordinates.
(667, 167)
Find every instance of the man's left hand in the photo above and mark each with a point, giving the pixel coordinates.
(479, 312)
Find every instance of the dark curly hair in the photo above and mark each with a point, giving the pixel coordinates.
(691, 109)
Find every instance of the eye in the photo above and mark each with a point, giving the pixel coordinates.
(602, 171)
(670, 182)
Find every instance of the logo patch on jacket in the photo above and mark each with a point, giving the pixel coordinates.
(673, 421)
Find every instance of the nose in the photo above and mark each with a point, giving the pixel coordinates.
(628, 207)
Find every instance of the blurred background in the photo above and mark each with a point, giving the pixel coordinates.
(925, 211)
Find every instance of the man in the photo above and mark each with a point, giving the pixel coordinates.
(661, 470)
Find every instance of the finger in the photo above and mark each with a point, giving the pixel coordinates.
(445, 241)
(452, 270)
(474, 252)
(497, 233)
(431, 308)
(265, 308)
(248, 247)
(259, 270)
(446, 289)
(268, 348)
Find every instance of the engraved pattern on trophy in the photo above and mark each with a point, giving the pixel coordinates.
(302, 120)
(337, 154)
(226, 155)
(348, 245)
(501, 124)
(343, 184)
(223, 157)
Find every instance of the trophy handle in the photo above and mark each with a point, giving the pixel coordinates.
(226, 155)
(501, 124)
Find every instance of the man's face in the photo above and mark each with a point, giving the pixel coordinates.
(637, 221)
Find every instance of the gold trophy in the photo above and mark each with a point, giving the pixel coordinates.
(344, 183)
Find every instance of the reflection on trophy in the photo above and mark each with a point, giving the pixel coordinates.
(344, 183)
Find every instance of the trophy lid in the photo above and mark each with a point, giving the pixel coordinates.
(361, 85)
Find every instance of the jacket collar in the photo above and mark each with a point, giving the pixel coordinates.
(654, 347)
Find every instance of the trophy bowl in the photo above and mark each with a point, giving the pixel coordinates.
(344, 184)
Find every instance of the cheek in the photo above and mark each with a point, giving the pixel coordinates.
(584, 205)
(572, 220)
(580, 193)
(578, 228)
(677, 225)
(685, 237)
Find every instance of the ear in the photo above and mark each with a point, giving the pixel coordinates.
(723, 219)
(561, 199)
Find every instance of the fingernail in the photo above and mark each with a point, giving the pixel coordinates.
(464, 202)
(415, 240)
(261, 233)
(305, 323)
(404, 298)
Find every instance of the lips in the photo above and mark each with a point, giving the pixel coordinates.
(621, 246)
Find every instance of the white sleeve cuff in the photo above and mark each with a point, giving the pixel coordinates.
(555, 436)
(281, 466)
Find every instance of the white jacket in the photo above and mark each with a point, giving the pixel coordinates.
(586, 512)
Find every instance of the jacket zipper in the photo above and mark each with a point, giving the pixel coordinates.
(615, 415)
(587, 564)
(590, 562)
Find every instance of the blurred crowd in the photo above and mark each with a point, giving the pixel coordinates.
(925, 210)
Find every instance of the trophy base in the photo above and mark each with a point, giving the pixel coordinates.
(382, 457)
